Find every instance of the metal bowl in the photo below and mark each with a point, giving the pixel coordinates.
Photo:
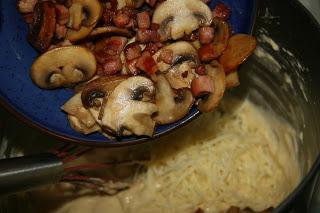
(284, 77)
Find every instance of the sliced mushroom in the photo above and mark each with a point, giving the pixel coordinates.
(216, 72)
(76, 16)
(43, 25)
(222, 35)
(185, 59)
(86, 13)
(179, 17)
(172, 107)
(129, 108)
(75, 108)
(232, 80)
(80, 118)
(109, 31)
(99, 89)
(63, 67)
(90, 10)
(75, 35)
(77, 125)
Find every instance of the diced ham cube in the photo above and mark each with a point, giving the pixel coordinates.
(152, 48)
(201, 70)
(201, 86)
(121, 20)
(61, 31)
(143, 20)
(206, 35)
(154, 26)
(147, 64)
(132, 51)
(221, 11)
(107, 16)
(132, 68)
(62, 14)
(145, 36)
(112, 66)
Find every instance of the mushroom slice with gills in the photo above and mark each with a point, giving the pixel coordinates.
(109, 31)
(239, 48)
(80, 118)
(129, 108)
(84, 12)
(99, 88)
(222, 35)
(43, 25)
(179, 17)
(171, 107)
(91, 12)
(184, 60)
(76, 16)
(217, 74)
(75, 35)
(63, 67)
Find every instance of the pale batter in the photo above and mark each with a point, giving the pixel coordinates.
(239, 156)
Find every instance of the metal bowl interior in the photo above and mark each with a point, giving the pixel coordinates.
(283, 76)
(41, 108)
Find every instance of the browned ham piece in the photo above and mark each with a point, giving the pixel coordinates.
(43, 26)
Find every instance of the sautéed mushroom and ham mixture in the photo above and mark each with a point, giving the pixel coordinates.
(134, 64)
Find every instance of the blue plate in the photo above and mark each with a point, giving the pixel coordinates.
(41, 108)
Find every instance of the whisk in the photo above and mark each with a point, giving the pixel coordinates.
(27, 172)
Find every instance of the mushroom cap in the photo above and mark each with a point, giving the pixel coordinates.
(63, 67)
(185, 60)
(179, 17)
(92, 10)
(171, 107)
(129, 108)
(216, 72)
(100, 88)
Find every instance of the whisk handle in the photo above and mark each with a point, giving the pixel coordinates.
(24, 173)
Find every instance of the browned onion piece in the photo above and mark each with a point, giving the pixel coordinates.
(239, 48)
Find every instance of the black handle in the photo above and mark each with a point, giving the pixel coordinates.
(23, 173)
